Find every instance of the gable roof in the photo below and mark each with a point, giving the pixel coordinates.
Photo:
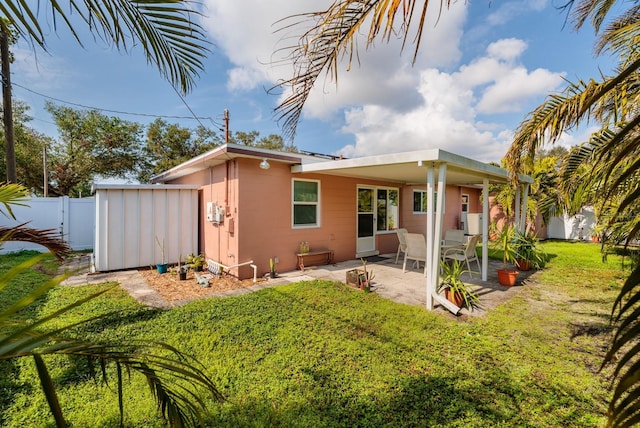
(229, 151)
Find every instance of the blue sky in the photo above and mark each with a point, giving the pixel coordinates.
(481, 69)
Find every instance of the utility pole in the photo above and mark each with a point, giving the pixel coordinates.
(44, 171)
(226, 126)
(7, 112)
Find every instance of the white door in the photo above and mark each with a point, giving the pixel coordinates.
(366, 221)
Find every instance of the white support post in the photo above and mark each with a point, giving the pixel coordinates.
(516, 218)
(430, 285)
(485, 228)
(523, 218)
(437, 232)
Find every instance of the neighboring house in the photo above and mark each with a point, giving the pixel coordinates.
(351, 206)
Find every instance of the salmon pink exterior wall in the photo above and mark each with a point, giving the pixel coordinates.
(265, 224)
(258, 226)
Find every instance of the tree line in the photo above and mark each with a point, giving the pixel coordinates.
(93, 146)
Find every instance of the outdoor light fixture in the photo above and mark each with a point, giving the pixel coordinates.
(264, 164)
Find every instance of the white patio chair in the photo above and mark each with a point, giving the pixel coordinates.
(402, 246)
(416, 251)
(466, 254)
(453, 237)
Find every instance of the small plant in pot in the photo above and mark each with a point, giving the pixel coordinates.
(162, 267)
(182, 269)
(195, 261)
(455, 290)
(365, 280)
(528, 254)
(505, 242)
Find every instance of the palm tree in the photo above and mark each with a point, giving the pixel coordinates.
(175, 380)
(167, 30)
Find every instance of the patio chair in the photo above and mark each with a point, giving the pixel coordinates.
(416, 251)
(402, 246)
(466, 254)
(453, 237)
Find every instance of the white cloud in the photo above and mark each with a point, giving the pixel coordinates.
(40, 70)
(447, 114)
(506, 49)
(510, 93)
(387, 103)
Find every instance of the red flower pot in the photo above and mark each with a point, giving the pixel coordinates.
(455, 298)
(507, 277)
(523, 265)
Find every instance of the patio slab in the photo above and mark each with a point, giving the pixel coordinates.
(410, 287)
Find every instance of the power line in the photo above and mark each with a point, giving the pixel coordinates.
(193, 117)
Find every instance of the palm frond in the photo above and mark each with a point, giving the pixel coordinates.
(49, 238)
(174, 378)
(624, 407)
(12, 194)
(331, 35)
(167, 30)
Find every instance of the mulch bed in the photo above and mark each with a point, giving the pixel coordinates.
(169, 286)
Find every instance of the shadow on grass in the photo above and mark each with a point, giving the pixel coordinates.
(413, 401)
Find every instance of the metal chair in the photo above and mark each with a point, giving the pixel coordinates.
(416, 251)
(402, 246)
(466, 254)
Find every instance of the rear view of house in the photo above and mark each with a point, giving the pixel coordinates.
(260, 205)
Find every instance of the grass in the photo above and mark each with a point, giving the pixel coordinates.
(321, 354)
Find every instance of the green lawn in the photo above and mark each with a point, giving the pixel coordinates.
(322, 354)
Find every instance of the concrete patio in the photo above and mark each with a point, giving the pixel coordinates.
(410, 287)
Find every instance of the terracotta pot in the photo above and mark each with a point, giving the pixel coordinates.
(507, 277)
(455, 298)
(523, 265)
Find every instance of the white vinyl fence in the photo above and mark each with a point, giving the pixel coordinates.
(73, 218)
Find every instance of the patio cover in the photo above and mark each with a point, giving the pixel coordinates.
(436, 168)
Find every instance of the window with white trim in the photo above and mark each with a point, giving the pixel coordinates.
(387, 213)
(420, 201)
(305, 203)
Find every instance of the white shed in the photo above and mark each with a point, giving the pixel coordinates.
(133, 222)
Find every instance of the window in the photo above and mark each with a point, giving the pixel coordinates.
(306, 203)
(387, 209)
(420, 201)
(465, 203)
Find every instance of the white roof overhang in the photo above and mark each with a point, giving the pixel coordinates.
(411, 168)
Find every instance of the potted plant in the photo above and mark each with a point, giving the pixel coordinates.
(182, 269)
(455, 290)
(505, 242)
(366, 280)
(528, 253)
(162, 267)
(195, 261)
